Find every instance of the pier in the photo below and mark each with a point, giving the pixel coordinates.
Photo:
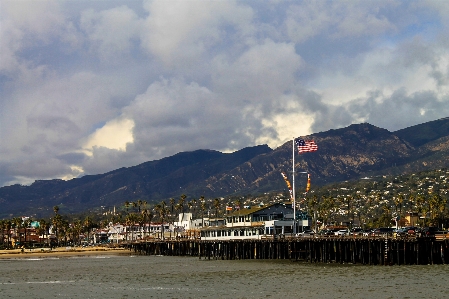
(343, 250)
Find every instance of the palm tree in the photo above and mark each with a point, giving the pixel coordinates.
(385, 217)
(140, 218)
(217, 207)
(88, 226)
(17, 222)
(203, 209)
(326, 208)
(57, 222)
(128, 223)
(145, 214)
(2, 230)
(139, 204)
(172, 206)
(77, 229)
(194, 202)
(162, 210)
(238, 203)
(181, 202)
(64, 230)
(312, 206)
(150, 217)
(350, 206)
(8, 226)
(44, 226)
(26, 225)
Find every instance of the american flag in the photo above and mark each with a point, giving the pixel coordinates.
(305, 146)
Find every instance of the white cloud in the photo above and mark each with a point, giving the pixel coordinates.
(115, 134)
(111, 32)
(338, 19)
(180, 31)
(138, 81)
(29, 24)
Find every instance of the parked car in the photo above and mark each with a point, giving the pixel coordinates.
(357, 231)
(407, 231)
(326, 232)
(342, 232)
(367, 232)
(429, 231)
(306, 233)
(382, 231)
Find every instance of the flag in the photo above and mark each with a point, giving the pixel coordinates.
(228, 208)
(308, 183)
(305, 146)
(288, 184)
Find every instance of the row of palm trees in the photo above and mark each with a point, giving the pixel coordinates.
(136, 213)
(18, 228)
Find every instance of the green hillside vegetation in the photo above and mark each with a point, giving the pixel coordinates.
(375, 201)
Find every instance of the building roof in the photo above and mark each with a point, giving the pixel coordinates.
(253, 209)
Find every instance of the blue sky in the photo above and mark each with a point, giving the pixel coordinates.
(90, 86)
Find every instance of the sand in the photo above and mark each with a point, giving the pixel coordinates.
(61, 252)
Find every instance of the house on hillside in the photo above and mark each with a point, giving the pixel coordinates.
(411, 219)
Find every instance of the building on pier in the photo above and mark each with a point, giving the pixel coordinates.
(187, 223)
(258, 222)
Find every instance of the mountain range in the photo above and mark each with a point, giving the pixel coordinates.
(350, 153)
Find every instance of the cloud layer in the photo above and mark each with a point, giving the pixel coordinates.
(90, 86)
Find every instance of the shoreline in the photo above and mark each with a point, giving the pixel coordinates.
(61, 252)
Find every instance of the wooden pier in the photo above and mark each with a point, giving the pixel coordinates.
(343, 250)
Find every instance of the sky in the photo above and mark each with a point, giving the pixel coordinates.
(87, 87)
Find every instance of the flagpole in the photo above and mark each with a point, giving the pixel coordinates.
(293, 186)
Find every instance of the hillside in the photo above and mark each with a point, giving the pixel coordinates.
(349, 153)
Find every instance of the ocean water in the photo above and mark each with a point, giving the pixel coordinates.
(187, 277)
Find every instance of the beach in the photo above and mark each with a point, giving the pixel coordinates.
(61, 252)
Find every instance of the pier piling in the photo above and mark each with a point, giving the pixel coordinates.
(368, 251)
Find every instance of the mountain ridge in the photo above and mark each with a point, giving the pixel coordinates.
(348, 153)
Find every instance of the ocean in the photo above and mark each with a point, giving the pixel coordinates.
(128, 276)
